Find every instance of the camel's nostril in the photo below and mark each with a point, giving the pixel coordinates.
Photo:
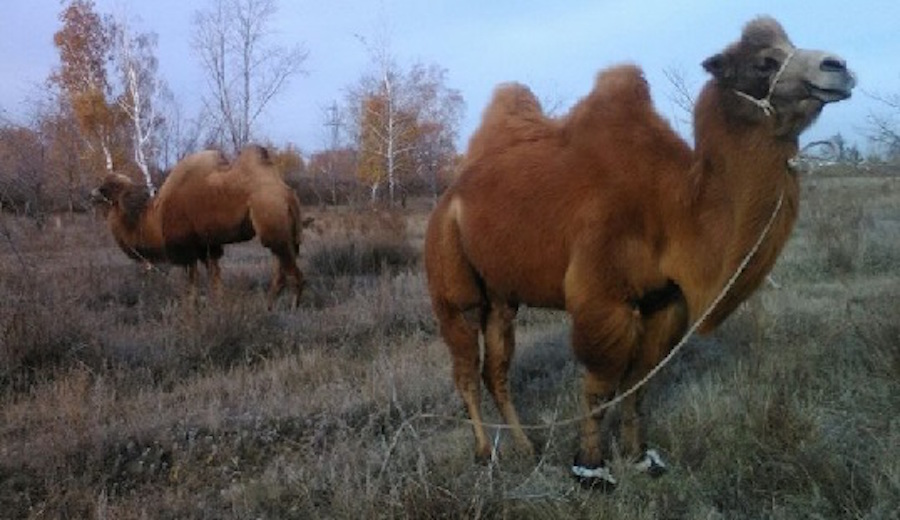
(832, 64)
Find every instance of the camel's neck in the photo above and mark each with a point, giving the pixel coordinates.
(740, 170)
(138, 231)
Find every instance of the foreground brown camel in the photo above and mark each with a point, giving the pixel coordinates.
(608, 214)
(205, 203)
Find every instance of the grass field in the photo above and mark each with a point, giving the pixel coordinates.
(121, 397)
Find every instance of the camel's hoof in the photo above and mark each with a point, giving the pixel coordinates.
(594, 478)
(483, 458)
(651, 463)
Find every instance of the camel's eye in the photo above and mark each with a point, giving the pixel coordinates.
(767, 65)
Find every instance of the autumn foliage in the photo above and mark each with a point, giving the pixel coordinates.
(84, 45)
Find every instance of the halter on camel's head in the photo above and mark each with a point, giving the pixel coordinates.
(119, 191)
(765, 103)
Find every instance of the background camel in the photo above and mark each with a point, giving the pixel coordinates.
(608, 214)
(205, 203)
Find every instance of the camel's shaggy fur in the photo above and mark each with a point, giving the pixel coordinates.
(608, 214)
(205, 203)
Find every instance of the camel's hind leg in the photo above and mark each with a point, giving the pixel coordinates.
(286, 271)
(213, 270)
(276, 285)
(499, 346)
(461, 336)
(459, 305)
(277, 227)
(192, 276)
(191, 270)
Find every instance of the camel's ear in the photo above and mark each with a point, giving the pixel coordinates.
(720, 66)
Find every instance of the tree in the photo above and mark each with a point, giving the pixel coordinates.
(43, 164)
(682, 96)
(327, 162)
(22, 181)
(884, 129)
(84, 46)
(243, 71)
(62, 149)
(337, 167)
(288, 161)
(404, 123)
(178, 135)
(135, 61)
(440, 110)
(385, 141)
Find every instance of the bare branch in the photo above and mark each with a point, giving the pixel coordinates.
(681, 95)
(244, 73)
(884, 129)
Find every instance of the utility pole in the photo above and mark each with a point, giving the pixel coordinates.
(333, 121)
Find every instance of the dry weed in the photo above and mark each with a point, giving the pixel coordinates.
(120, 397)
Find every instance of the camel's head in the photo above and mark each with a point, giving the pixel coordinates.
(122, 196)
(769, 76)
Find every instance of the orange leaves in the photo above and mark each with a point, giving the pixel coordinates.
(84, 49)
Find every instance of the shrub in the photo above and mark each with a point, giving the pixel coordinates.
(835, 229)
(363, 244)
(41, 331)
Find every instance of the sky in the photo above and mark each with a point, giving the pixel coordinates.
(556, 48)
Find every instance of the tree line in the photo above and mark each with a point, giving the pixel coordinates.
(106, 107)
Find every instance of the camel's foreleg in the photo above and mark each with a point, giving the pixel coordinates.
(604, 336)
(661, 330)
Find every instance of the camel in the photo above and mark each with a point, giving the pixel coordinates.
(608, 214)
(205, 203)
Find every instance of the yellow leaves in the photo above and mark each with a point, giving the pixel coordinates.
(91, 110)
(387, 140)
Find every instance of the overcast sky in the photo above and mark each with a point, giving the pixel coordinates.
(554, 47)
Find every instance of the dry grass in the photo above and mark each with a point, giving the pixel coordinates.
(120, 397)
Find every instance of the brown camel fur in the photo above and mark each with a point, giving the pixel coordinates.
(205, 203)
(608, 214)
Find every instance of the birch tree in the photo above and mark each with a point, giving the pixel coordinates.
(136, 63)
(405, 123)
(244, 70)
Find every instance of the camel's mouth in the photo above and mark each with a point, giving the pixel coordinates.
(97, 197)
(830, 94)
